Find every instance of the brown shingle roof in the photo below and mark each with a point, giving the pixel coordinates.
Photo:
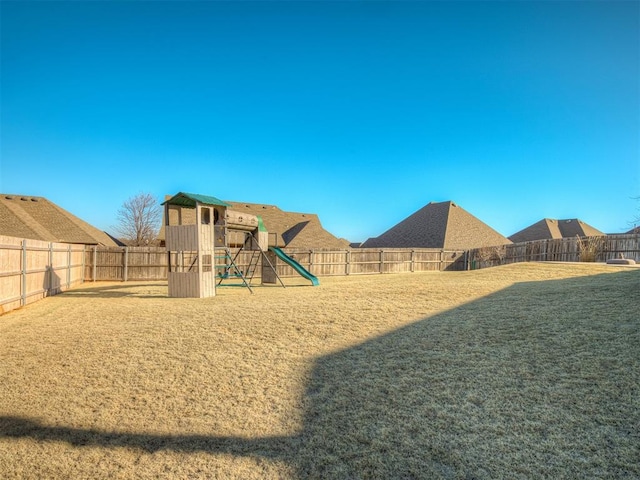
(549, 228)
(545, 228)
(287, 229)
(439, 225)
(574, 226)
(39, 219)
(293, 229)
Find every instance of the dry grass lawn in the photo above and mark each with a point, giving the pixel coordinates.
(521, 371)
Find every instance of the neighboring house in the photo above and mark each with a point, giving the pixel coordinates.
(439, 225)
(634, 230)
(291, 229)
(549, 228)
(36, 218)
(286, 229)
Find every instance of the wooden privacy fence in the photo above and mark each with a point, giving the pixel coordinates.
(125, 263)
(150, 263)
(573, 249)
(31, 270)
(372, 260)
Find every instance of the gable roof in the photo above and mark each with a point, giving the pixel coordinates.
(286, 229)
(549, 228)
(37, 218)
(439, 225)
(292, 229)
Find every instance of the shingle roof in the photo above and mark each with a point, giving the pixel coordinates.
(37, 218)
(287, 229)
(549, 228)
(293, 229)
(439, 225)
(574, 226)
(545, 228)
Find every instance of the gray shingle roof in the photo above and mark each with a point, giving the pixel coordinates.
(37, 218)
(549, 228)
(439, 225)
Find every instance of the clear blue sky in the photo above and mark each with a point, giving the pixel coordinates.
(361, 112)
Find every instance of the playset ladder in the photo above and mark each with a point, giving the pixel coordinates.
(253, 265)
(231, 270)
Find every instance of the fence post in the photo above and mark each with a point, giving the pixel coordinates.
(23, 286)
(84, 263)
(94, 267)
(381, 261)
(50, 273)
(347, 268)
(125, 272)
(69, 266)
(412, 264)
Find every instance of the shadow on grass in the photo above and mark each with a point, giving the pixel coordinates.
(125, 289)
(113, 291)
(540, 380)
(21, 427)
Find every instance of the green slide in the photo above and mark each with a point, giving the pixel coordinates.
(296, 266)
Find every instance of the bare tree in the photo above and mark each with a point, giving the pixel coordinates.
(139, 220)
(636, 220)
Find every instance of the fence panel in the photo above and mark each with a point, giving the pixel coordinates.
(318, 262)
(31, 270)
(329, 263)
(146, 263)
(105, 263)
(572, 249)
(395, 261)
(627, 246)
(11, 281)
(364, 261)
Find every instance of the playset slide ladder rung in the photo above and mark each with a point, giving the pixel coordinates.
(231, 265)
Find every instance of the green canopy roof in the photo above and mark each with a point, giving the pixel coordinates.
(189, 200)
